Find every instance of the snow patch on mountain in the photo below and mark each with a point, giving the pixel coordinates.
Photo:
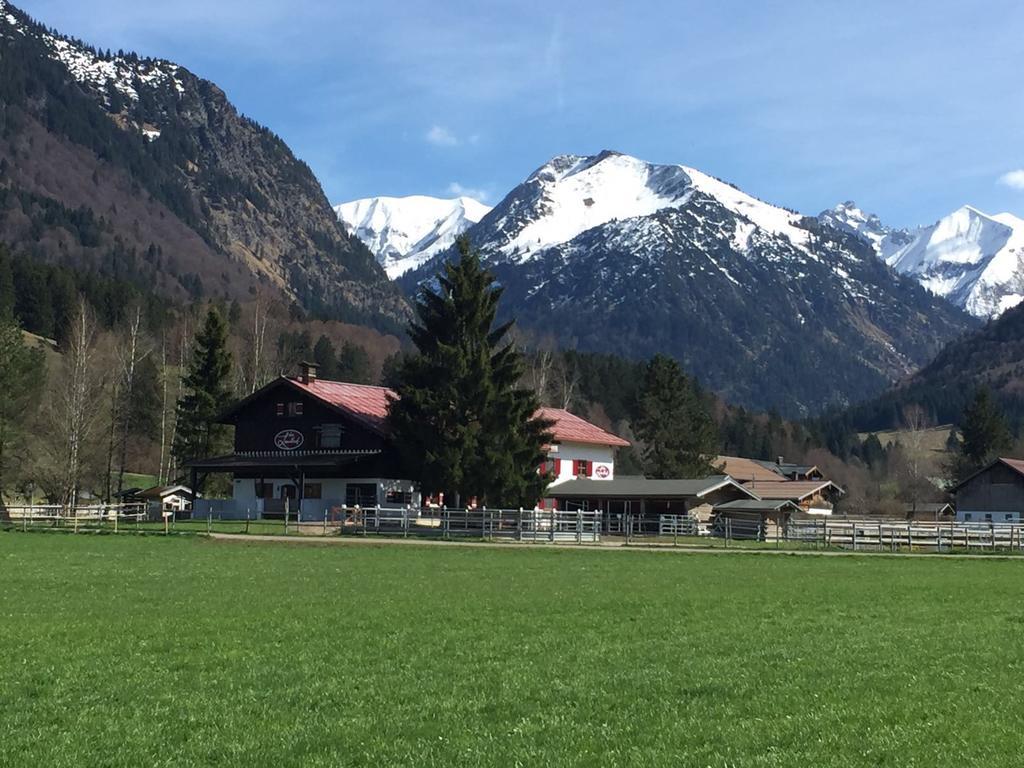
(405, 232)
(848, 217)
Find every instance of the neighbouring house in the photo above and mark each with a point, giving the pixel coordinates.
(760, 519)
(744, 470)
(752, 470)
(309, 445)
(648, 498)
(816, 497)
(580, 449)
(994, 494)
(167, 498)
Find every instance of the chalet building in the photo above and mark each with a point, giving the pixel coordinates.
(994, 494)
(312, 445)
(751, 470)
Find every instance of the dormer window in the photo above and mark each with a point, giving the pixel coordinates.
(295, 409)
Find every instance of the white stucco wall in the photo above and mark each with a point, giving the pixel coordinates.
(603, 457)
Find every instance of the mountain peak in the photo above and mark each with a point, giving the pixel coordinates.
(405, 232)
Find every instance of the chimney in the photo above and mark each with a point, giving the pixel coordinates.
(307, 373)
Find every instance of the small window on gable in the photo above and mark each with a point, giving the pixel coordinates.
(280, 409)
(295, 409)
(330, 435)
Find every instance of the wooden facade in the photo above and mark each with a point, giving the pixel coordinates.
(993, 495)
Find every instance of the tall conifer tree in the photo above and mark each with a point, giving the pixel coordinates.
(462, 423)
(984, 435)
(206, 392)
(674, 423)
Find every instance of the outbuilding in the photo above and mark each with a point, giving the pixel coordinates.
(994, 494)
(760, 519)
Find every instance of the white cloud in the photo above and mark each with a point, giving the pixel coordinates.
(1013, 179)
(440, 136)
(460, 191)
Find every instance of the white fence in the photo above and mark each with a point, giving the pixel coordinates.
(535, 525)
(91, 516)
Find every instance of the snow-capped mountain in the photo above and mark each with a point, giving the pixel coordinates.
(847, 217)
(405, 232)
(969, 257)
(767, 307)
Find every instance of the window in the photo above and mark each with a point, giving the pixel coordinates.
(264, 490)
(312, 491)
(330, 435)
(967, 516)
(294, 409)
(1008, 516)
(581, 468)
(361, 494)
(398, 497)
(988, 517)
(280, 409)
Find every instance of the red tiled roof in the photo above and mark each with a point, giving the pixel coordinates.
(569, 428)
(363, 402)
(745, 470)
(370, 405)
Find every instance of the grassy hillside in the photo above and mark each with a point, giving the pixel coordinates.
(130, 651)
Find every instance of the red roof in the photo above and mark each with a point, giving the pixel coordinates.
(363, 402)
(370, 406)
(569, 428)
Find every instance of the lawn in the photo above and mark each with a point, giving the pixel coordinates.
(181, 651)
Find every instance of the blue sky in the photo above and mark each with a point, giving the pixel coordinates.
(910, 108)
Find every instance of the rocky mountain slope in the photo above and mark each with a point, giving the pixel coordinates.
(767, 307)
(992, 356)
(135, 166)
(405, 232)
(974, 259)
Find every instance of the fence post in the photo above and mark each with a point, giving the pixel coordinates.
(209, 523)
(286, 516)
(728, 531)
(579, 526)
(444, 521)
(519, 525)
(992, 535)
(552, 518)
(246, 519)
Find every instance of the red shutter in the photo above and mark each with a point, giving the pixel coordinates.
(558, 467)
(590, 468)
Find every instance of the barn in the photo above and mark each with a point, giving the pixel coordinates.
(994, 494)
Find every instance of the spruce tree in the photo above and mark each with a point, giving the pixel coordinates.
(984, 435)
(325, 357)
(206, 393)
(21, 376)
(462, 423)
(674, 423)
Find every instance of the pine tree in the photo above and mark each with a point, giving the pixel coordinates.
(206, 393)
(21, 373)
(462, 423)
(353, 364)
(984, 435)
(674, 423)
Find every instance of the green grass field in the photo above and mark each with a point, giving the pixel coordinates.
(181, 651)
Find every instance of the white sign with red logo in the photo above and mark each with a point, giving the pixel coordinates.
(288, 439)
(603, 471)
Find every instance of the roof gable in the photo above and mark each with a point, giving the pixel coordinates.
(570, 428)
(1017, 465)
(369, 405)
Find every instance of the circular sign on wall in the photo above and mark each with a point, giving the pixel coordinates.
(288, 439)
(602, 471)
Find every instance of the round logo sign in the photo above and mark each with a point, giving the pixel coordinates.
(602, 471)
(288, 439)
